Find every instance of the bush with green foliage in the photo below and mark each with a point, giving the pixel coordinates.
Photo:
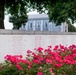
(59, 61)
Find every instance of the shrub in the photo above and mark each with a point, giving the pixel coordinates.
(58, 61)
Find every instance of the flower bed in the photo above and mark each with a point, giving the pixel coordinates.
(59, 61)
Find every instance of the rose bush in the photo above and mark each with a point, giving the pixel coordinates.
(58, 61)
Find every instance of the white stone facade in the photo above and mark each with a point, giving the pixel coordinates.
(40, 22)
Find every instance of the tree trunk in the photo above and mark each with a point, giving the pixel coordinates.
(2, 3)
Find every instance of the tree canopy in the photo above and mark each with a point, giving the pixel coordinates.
(58, 10)
(71, 28)
(17, 10)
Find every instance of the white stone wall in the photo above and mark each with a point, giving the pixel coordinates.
(18, 42)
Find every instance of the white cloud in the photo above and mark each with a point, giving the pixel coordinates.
(33, 12)
(7, 24)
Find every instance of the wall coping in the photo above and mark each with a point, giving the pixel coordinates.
(24, 32)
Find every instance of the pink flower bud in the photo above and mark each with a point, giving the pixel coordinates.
(40, 68)
(29, 67)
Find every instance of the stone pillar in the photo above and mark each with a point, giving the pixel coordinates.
(66, 27)
(49, 26)
(41, 25)
(26, 26)
(34, 27)
(62, 27)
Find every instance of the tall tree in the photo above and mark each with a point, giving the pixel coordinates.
(63, 12)
(18, 11)
(2, 3)
(71, 28)
(58, 10)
